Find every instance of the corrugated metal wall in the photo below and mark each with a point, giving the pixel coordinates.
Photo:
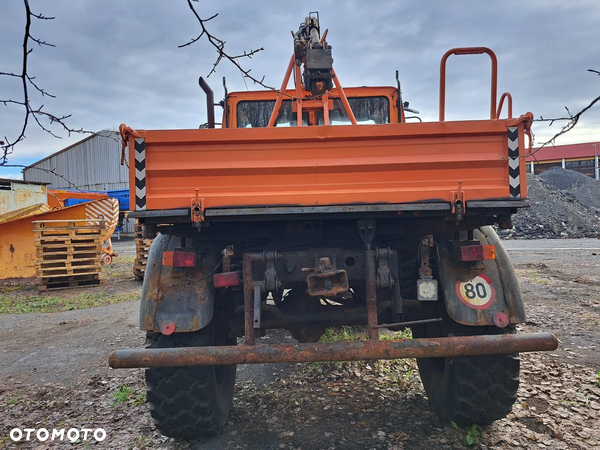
(93, 164)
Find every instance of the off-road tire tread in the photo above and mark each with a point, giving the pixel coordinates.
(485, 388)
(184, 401)
(472, 389)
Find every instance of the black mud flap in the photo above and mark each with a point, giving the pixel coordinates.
(177, 299)
(474, 294)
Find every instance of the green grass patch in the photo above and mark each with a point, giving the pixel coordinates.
(344, 333)
(387, 335)
(347, 333)
(13, 400)
(128, 396)
(472, 433)
(24, 302)
(15, 305)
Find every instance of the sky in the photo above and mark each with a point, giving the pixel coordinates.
(118, 61)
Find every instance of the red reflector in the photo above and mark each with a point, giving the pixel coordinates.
(179, 259)
(476, 252)
(167, 327)
(226, 279)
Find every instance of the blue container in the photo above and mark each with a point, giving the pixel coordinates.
(76, 201)
(122, 195)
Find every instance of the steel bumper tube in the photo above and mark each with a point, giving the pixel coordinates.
(337, 351)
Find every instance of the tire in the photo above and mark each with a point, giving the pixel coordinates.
(189, 402)
(469, 389)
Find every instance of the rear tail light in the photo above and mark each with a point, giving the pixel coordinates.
(226, 279)
(179, 259)
(476, 252)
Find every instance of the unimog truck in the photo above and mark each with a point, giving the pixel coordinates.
(321, 206)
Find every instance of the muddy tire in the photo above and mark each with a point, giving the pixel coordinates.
(189, 402)
(469, 389)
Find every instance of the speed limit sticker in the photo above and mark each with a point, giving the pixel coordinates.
(477, 293)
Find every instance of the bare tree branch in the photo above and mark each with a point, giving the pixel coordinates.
(37, 114)
(220, 47)
(572, 121)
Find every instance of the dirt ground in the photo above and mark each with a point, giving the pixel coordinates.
(54, 374)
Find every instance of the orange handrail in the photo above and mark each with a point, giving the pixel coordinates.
(505, 95)
(469, 51)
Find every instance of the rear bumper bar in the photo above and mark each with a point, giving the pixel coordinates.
(336, 351)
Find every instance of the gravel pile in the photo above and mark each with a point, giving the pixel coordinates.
(585, 189)
(556, 213)
(564, 179)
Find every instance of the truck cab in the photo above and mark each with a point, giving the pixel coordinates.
(371, 105)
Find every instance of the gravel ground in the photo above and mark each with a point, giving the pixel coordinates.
(53, 374)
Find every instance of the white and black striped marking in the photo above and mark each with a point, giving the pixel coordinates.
(514, 178)
(106, 210)
(140, 174)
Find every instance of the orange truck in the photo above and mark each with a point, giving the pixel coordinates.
(323, 206)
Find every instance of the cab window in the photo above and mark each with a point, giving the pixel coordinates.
(367, 110)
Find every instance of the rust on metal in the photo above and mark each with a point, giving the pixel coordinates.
(371, 290)
(228, 253)
(424, 246)
(247, 275)
(409, 323)
(326, 280)
(334, 351)
(327, 284)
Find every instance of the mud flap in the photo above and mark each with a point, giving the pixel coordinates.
(474, 294)
(176, 299)
(510, 283)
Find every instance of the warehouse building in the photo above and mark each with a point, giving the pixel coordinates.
(92, 164)
(579, 157)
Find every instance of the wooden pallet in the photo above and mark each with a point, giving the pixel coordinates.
(142, 246)
(68, 253)
(73, 281)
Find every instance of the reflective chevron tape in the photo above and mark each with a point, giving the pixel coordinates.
(106, 209)
(514, 177)
(140, 174)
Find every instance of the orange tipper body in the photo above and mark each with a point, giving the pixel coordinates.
(334, 165)
(380, 164)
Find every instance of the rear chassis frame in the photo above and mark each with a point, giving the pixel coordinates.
(436, 219)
